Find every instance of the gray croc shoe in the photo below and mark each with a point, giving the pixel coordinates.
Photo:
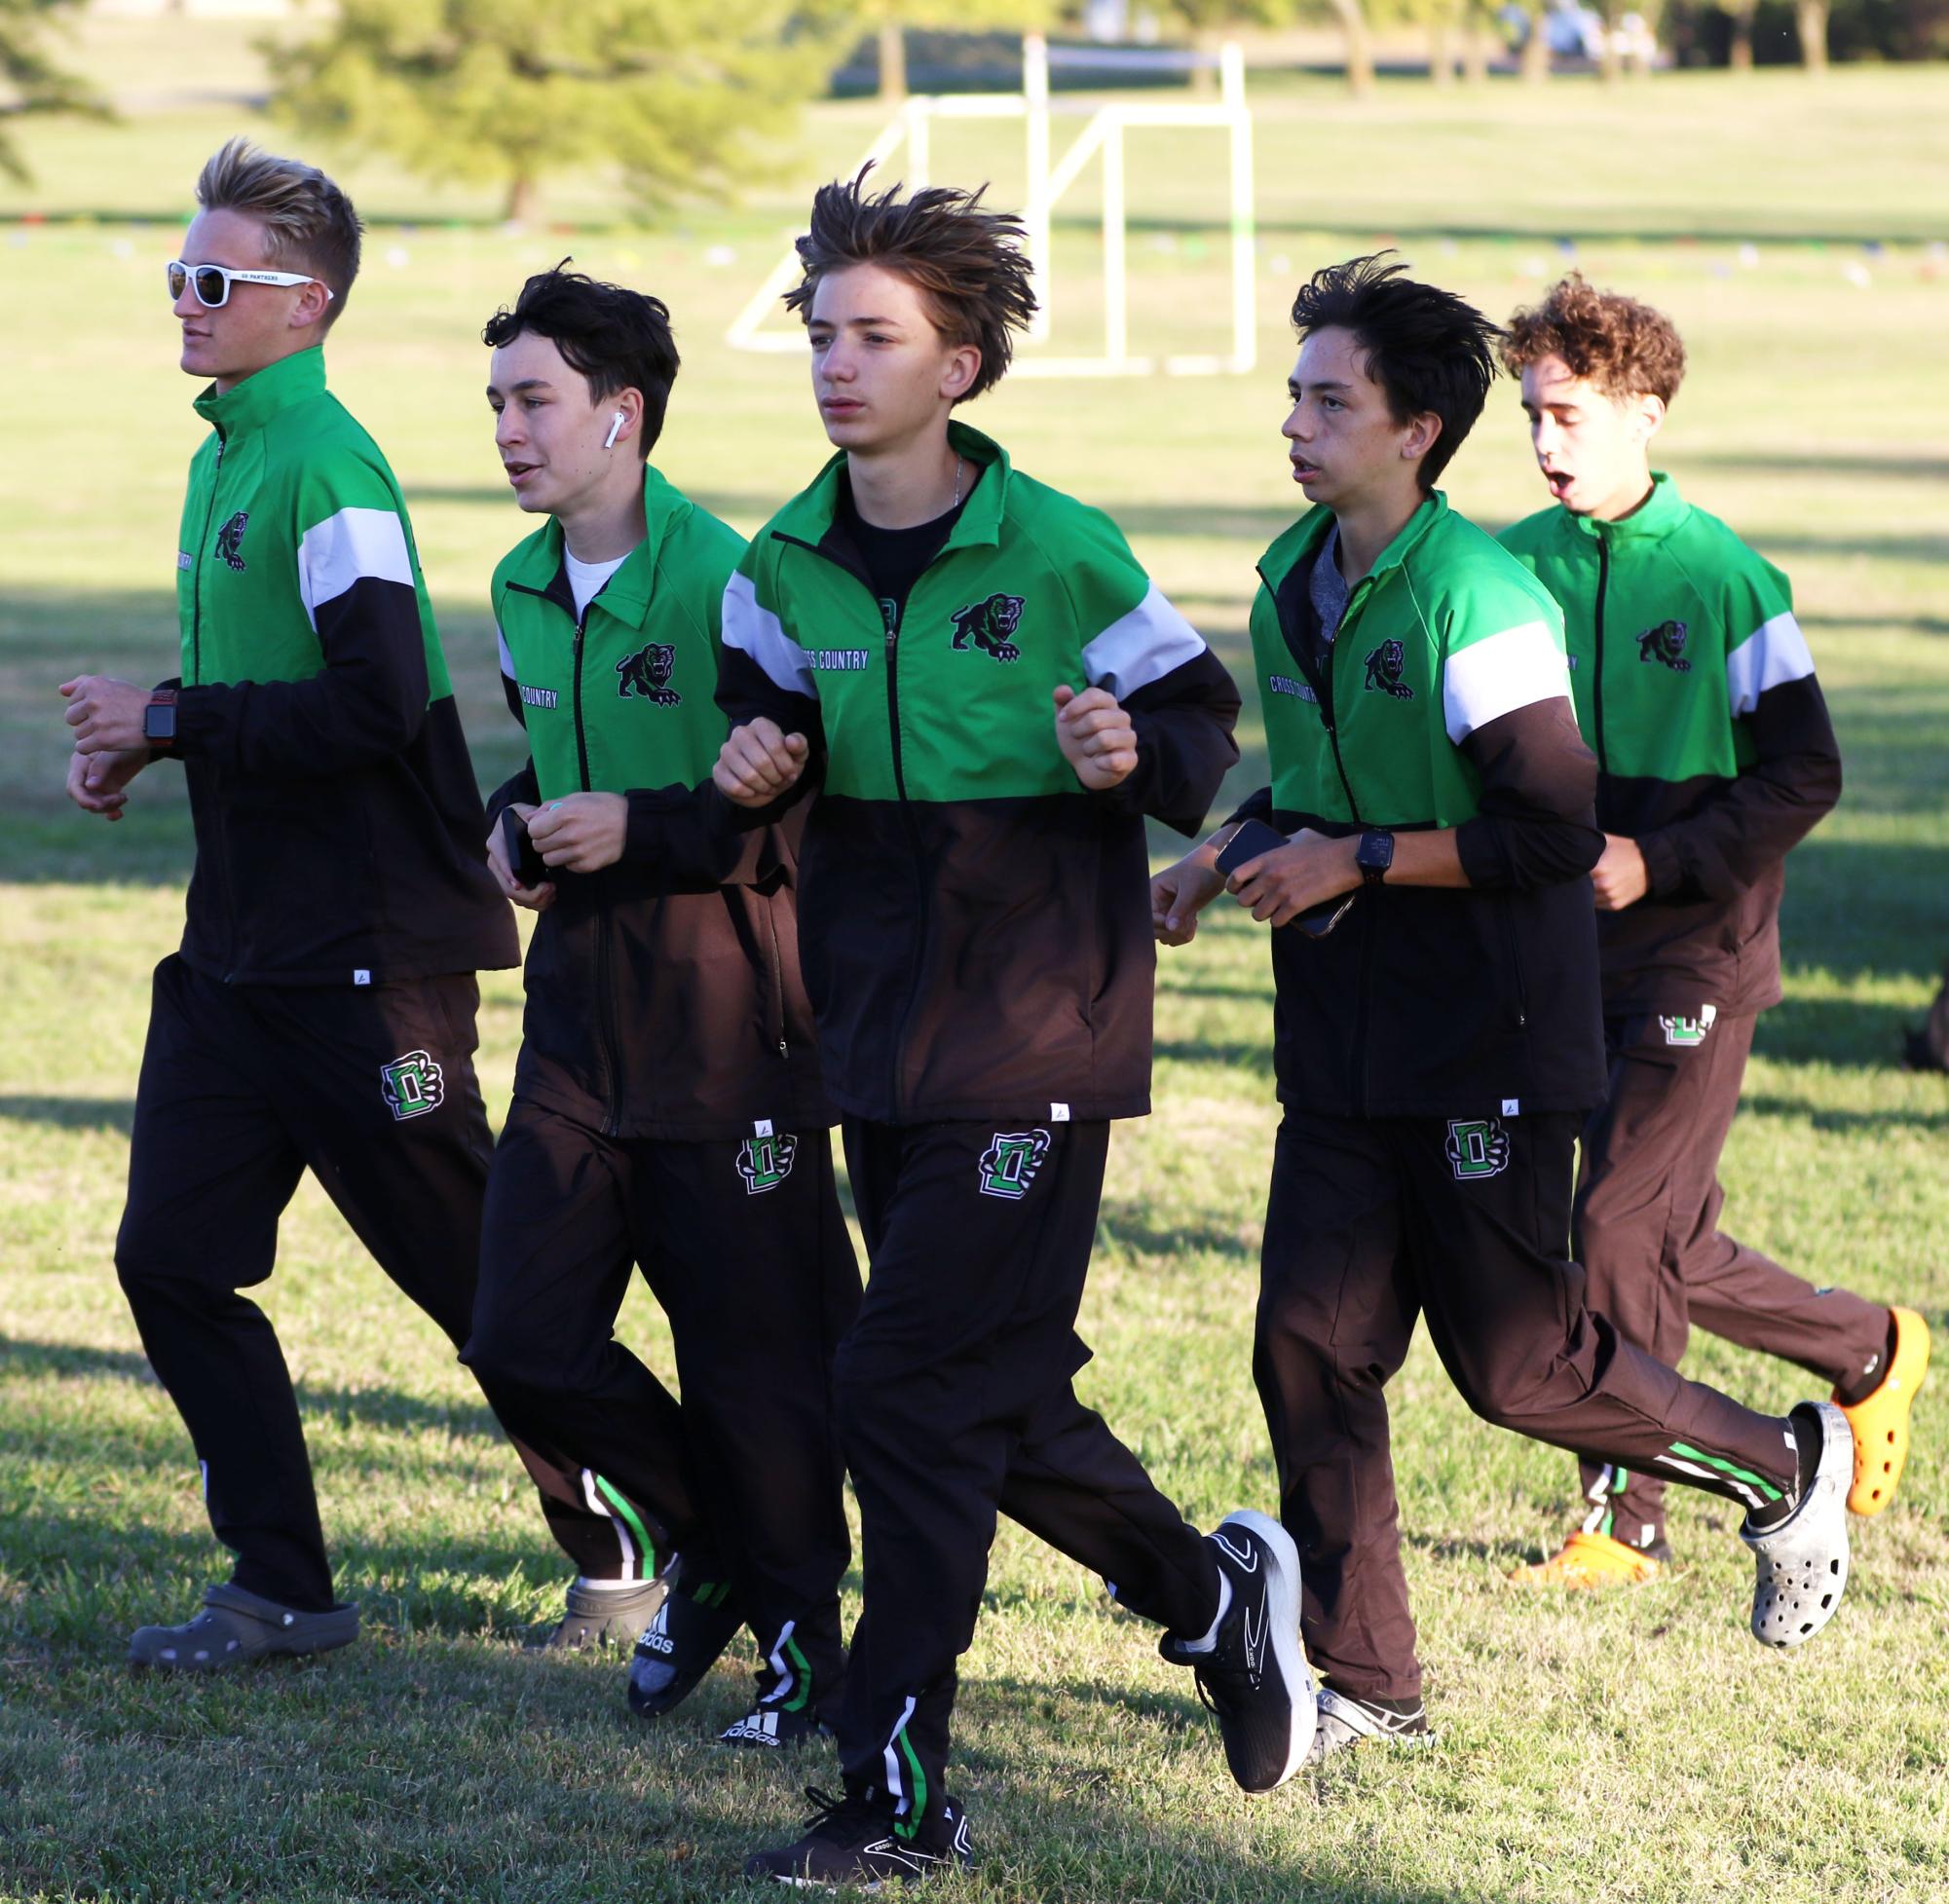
(603, 1616)
(1802, 1563)
(236, 1627)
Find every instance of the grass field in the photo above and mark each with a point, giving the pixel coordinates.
(1641, 1748)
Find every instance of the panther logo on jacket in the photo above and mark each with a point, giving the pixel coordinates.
(1384, 667)
(645, 674)
(230, 539)
(988, 625)
(1665, 643)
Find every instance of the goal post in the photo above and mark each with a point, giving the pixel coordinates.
(1102, 139)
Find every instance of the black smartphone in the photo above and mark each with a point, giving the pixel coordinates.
(523, 861)
(1254, 838)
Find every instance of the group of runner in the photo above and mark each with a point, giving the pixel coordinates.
(846, 826)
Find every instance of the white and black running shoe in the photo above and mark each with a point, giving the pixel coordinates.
(1250, 1668)
(695, 1622)
(1346, 1721)
(854, 1842)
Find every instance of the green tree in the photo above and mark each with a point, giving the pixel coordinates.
(682, 99)
(30, 81)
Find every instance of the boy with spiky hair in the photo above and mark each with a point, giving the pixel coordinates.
(1715, 756)
(1437, 1046)
(667, 1109)
(320, 1011)
(991, 695)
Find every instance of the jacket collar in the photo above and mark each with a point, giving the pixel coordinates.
(627, 592)
(1299, 542)
(809, 515)
(1655, 518)
(253, 404)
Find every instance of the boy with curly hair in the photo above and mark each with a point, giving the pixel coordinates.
(1715, 756)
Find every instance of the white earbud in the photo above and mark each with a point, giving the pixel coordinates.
(614, 425)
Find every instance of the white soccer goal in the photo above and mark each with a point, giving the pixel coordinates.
(1102, 137)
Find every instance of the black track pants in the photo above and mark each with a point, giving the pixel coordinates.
(244, 1088)
(1647, 1232)
(744, 1245)
(954, 1403)
(1374, 1222)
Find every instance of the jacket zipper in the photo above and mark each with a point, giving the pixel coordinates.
(223, 867)
(777, 976)
(1363, 998)
(605, 1003)
(1597, 658)
(921, 891)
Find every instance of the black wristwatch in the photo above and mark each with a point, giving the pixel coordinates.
(1373, 856)
(159, 720)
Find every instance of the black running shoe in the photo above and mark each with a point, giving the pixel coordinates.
(791, 1702)
(852, 1840)
(682, 1643)
(768, 1725)
(1251, 1673)
(603, 1616)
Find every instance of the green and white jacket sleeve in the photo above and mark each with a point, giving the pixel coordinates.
(1789, 762)
(335, 665)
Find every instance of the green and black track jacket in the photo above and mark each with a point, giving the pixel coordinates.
(663, 993)
(338, 825)
(1443, 701)
(1714, 749)
(976, 926)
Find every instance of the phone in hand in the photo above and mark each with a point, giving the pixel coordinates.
(523, 860)
(1255, 837)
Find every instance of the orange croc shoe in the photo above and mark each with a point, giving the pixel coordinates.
(1585, 1562)
(1880, 1421)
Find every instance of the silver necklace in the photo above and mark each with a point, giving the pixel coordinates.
(956, 502)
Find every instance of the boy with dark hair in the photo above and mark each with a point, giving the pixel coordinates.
(1714, 758)
(1435, 1050)
(991, 695)
(668, 1108)
(320, 1011)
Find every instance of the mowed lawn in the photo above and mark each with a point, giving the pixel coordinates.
(1643, 1747)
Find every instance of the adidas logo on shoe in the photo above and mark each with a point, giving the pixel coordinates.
(753, 1729)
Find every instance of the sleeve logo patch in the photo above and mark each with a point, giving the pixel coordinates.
(413, 1085)
(229, 540)
(766, 1162)
(1665, 643)
(1385, 666)
(1009, 1163)
(645, 675)
(1476, 1146)
(988, 625)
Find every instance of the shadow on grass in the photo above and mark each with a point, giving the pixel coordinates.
(73, 1113)
(1849, 1123)
(1253, 1058)
(1128, 1225)
(373, 1407)
(1834, 1031)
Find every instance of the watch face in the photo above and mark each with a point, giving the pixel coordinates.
(1375, 850)
(159, 722)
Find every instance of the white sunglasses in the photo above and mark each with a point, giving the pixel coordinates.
(212, 283)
